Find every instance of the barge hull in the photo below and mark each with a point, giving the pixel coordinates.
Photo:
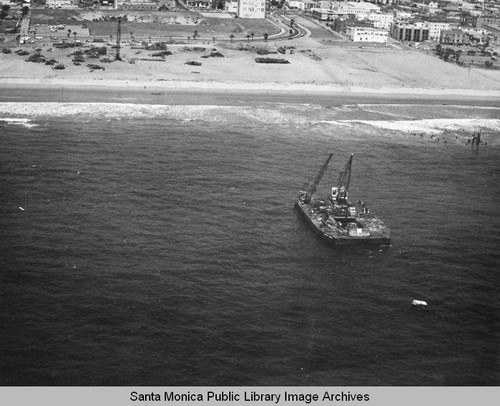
(340, 239)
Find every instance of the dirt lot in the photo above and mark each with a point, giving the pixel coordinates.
(155, 24)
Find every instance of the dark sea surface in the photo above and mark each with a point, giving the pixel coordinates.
(157, 245)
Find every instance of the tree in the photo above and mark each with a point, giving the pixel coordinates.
(69, 33)
(25, 10)
(195, 34)
(266, 36)
(292, 22)
(74, 35)
(291, 33)
(447, 53)
(231, 37)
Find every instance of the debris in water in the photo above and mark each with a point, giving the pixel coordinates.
(418, 303)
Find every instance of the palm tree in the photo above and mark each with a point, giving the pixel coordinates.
(291, 33)
(248, 37)
(266, 36)
(69, 33)
(74, 35)
(252, 35)
(231, 37)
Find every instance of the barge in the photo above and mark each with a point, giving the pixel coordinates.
(335, 218)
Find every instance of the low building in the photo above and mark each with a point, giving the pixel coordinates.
(410, 32)
(66, 4)
(252, 8)
(323, 14)
(452, 37)
(369, 34)
(137, 5)
(344, 25)
(203, 4)
(493, 21)
(300, 4)
(360, 10)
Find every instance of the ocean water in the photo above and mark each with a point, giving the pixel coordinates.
(151, 244)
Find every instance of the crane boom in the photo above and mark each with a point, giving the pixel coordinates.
(314, 184)
(345, 180)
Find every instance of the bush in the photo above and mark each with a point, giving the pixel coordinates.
(51, 62)
(6, 51)
(194, 63)
(162, 54)
(213, 55)
(36, 57)
(78, 58)
(271, 60)
(157, 46)
(94, 67)
(59, 66)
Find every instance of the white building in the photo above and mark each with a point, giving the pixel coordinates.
(436, 28)
(368, 34)
(381, 20)
(360, 10)
(300, 4)
(252, 8)
(60, 4)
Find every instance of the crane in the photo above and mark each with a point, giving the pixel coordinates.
(306, 195)
(341, 191)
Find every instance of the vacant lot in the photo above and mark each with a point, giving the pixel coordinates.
(156, 24)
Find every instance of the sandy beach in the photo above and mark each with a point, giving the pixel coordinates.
(315, 67)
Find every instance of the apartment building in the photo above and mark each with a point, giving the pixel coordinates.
(381, 20)
(452, 37)
(410, 32)
(435, 29)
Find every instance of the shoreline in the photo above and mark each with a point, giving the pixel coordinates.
(25, 90)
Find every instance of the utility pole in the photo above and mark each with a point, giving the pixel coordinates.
(118, 39)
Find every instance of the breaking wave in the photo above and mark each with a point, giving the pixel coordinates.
(26, 122)
(432, 126)
(426, 119)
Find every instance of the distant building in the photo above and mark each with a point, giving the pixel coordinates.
(204, 4)
(344, 25)
(452, 37)
(323, 14)
(252, 8)
(67, 4)
(435, 29)
(360, 10)
(137, 5)
(300, 4)
(410, 32)
(492, 21)
(368, 34)
(231, 6)
(381, 20)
